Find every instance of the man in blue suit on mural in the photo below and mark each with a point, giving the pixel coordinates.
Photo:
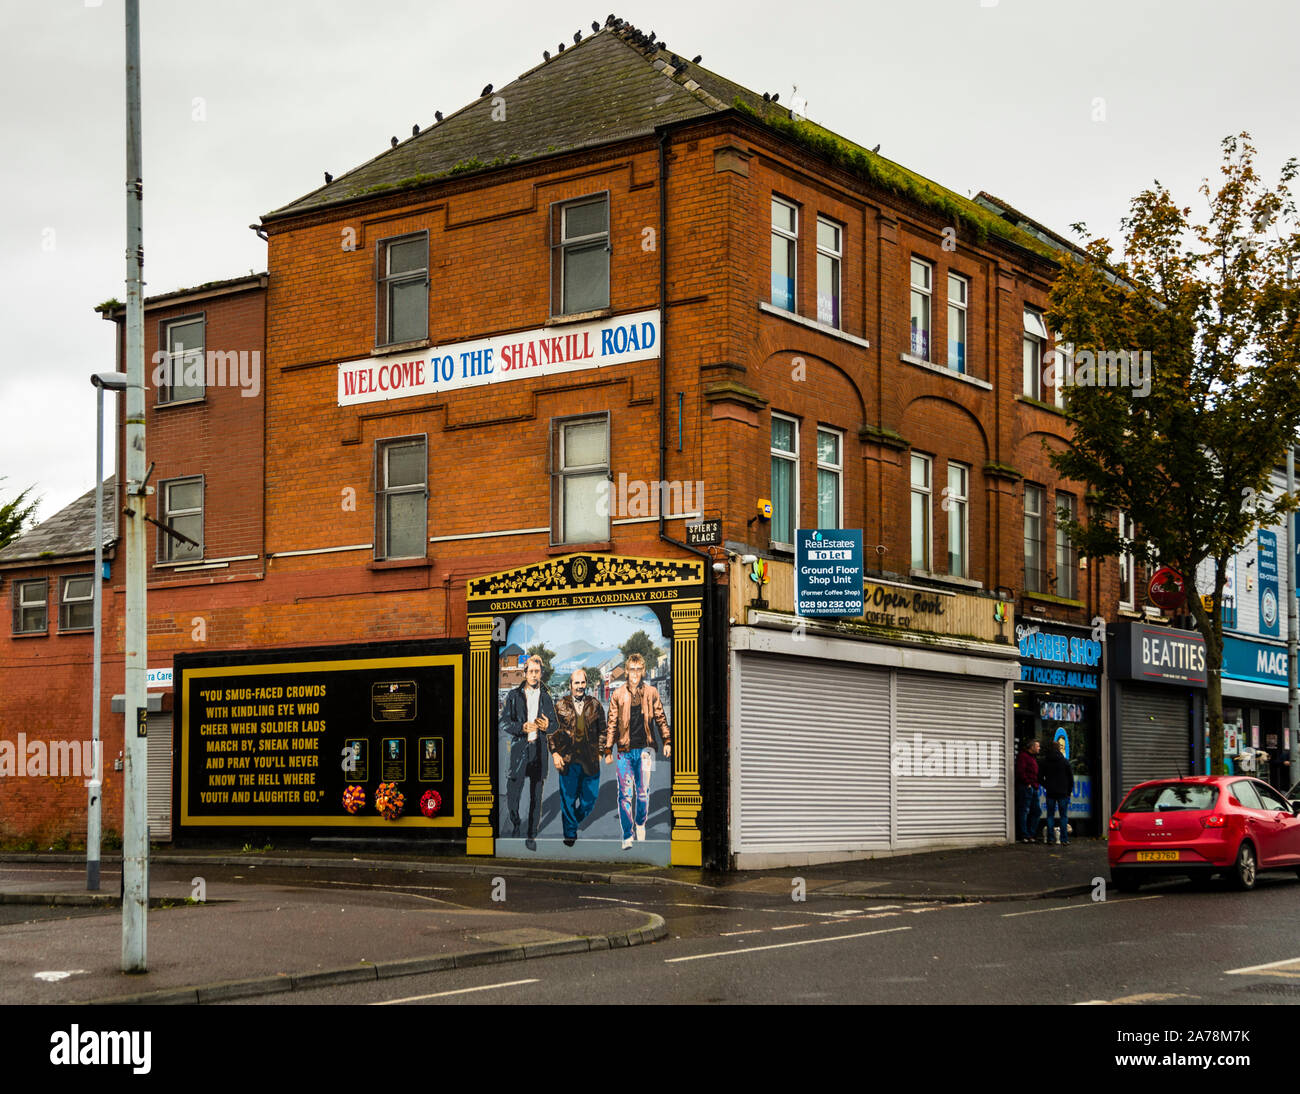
(527, 718)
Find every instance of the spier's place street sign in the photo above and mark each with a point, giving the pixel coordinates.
(545, 351)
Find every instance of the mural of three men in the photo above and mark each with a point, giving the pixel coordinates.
(603, 713)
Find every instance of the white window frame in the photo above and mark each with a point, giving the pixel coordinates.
(834, 257)
(1067, 554)
(834, 469)
(384, 491)
(386, 281)
(1063, 360)
(791, 239)
(1032, 348)
(176, 358)
(67, 603)
(561, 470)
(1124, 526)
(169, 546)
(958, 310)
(921, 294)
(22, 605)
(923, 491)
(563, 244)
(1037, 585)
(791, 456)
(957, 502)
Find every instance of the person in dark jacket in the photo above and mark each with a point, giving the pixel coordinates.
(527, 719)
(1058, 784)
(1027, 792)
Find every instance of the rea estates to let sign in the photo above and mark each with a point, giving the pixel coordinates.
(617, 340)
(828, 572)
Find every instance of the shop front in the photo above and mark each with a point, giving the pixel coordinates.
(1157, 679)
(1257, 738)
(1058, 703)
(873, 735)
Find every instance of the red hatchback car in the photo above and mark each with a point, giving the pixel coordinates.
(1200, 826)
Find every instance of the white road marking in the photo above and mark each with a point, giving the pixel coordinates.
(731, 934)
(790, 927)
(1091, 904)
(1261, 968)
(782, 945)
(457, 991)
(611, 899)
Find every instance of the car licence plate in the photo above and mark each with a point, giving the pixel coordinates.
(1157, 856)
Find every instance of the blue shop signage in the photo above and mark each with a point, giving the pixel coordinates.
(1255, 661)
(1268, 598)
(1055, 655)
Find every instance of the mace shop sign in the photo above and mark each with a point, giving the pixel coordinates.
(545, 351)
(1246, 660)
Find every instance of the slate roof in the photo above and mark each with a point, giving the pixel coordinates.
(615, 85)
(71, 531)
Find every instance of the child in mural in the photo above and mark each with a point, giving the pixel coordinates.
(634, 710)
(527, 717)
(575, 747)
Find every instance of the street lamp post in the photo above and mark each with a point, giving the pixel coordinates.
(113, 381)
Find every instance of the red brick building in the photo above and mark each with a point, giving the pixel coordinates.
(494, 349)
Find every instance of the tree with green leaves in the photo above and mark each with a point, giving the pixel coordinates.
(1188, 451)
(640, 643)
(16, 516)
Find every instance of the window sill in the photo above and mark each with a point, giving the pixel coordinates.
(948, 579)
(598, 545)
(778, 548)
(77, 630)
(1051, 408)
(579, 317)
(31, 634)
(173, 563)
(1052, 598)
(812, 324)
(943, 370)
(198, 401)
(401, 347)
(398, 563)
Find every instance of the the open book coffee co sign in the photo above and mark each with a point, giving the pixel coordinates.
(544, 351)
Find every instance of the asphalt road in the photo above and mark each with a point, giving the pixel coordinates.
(1170, 944)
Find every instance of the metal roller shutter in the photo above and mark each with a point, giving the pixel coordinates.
(939, 794)
(812, 762)
(160, 777)
(1156, 740)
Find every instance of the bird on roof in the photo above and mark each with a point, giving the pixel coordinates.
(766, 97)
(653, 36)
(328, 178)
(697, 58)
(546, 55)
(609, 19)
(394, 142)
(561, 47)
(663, 46)
(777, 97)
(437, 115)
(876, 149)
(577, 37)
(415, 130)
(595, 27)
(486, 91)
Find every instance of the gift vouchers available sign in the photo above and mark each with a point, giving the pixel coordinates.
(545, 351)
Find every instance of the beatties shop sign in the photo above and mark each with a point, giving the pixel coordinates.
(543, 352)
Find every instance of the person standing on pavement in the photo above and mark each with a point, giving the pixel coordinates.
(575, 751)
(634, 710)
(1058, 783)
(526, 718)
(1027, 791)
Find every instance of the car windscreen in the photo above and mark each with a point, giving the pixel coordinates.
(1170, 797)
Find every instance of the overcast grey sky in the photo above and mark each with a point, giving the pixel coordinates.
(1064, 109)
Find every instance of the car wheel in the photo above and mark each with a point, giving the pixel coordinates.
(1126, 881)
(1246, 868)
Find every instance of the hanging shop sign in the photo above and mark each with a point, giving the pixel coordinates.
(1167, 588)
(1266, 548)
(828, 573)
(302, 737)
(1056, 655)
(545, 351)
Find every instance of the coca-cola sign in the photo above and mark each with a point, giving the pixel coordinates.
(1166, 588)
